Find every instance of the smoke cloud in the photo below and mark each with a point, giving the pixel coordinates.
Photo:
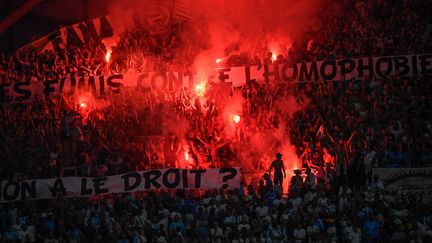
(253, 27)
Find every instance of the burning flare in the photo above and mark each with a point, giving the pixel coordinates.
(186, 154)
(200, 88)
(83, 105)
(108, 56)
(236, 118)
(274, 57)
(219, 60)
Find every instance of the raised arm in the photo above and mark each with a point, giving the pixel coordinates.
(316, 125)
(304, 152)
(330, 137)
(351, 137)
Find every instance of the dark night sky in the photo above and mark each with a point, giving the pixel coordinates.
(45, 18)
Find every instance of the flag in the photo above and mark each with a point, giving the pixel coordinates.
(182, 9)
(158, 16)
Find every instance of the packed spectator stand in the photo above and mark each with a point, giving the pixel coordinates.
(343, 130)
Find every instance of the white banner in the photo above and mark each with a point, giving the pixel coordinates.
(97, 85)
(157, 17)
(173, 178)
(74, 35)
(343, 69)
(407, 182)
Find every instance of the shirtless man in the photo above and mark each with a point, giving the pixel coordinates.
(279, 170)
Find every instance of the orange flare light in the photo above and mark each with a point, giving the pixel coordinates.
(219, 60)
(186, 154)
(83, 105)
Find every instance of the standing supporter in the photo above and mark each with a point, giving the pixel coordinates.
(279, 168)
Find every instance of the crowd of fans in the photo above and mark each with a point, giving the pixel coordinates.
(365, 124)
(312, 213)
(139, 51)
(342, 128)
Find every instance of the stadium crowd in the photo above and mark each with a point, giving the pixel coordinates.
(344, 128)
(311, 213)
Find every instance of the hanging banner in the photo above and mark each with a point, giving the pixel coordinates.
(97, 85)
(74, 35)
(157, 17)
(413, 183)
(174, 178)
(343, 69)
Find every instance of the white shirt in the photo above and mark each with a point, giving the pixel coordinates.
(285, 217)
(174, 213)
(142, 218)
(229, 220)
(299, 234)
(221, 207)
(312, 230)
(355, 237)
(323, 201)
(369, 196)
(276, 233)
(109, 222)
(347, 190)
(368, 158)
(266, 219)
(16, 227)
(188, 219)
(244, 226)
(279, 201)
(309, 197)
(296, 202)
(165, 212)
(216, 232)
(50, 241)
(347, 231)
(164, 222)
(161, 239)
(30, 232)
(376, 185)
(261, 211)
(331, 231)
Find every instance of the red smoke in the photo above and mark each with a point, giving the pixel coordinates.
(229, 28)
